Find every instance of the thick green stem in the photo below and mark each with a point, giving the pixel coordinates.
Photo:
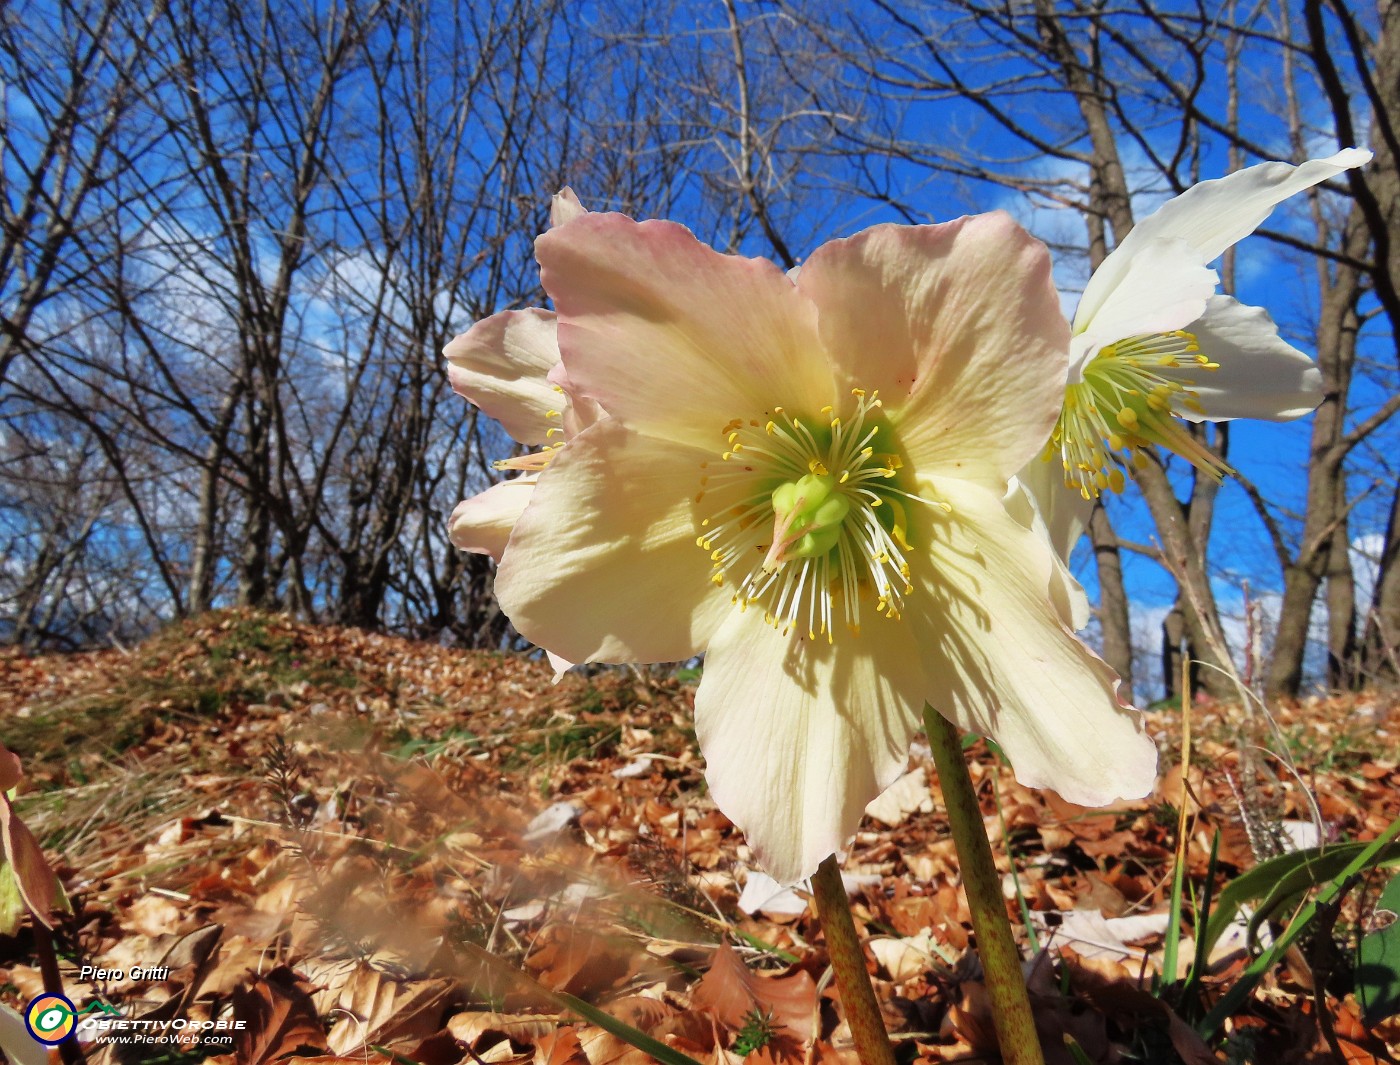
(1001, 962)
(848, 962)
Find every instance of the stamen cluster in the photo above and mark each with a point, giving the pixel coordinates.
(815, 516)
(1124, 404)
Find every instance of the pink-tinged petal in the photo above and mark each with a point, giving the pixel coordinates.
(1001, 661)
(1260, 375)
(501, 365)
(800, 736)
(483, 523)
(1038, 499)
(34, 876)
(1211, 216)
(1164, 289)
(673, 338)
(10, 770)
(565, 207)
(603, 566)
(959, 328)
(579, 411)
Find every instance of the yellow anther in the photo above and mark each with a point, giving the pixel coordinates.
(1115, 480)
(1128, 419)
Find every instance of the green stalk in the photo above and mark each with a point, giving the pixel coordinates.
(1001, 961)
(848, 963)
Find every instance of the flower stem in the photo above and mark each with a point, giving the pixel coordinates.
(848, 962)
(1001, 961)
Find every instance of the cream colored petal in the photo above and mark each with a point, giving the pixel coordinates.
(1002, 662)
(959, 328)
(799, 736)
(559, 665)
(603, 566)
(565, 207)
(675, 339)
(579, 411)
(1212, 215)
(1260, 375)
(483, 523)
(1164, 288)
(1041, 502)
(501, 364)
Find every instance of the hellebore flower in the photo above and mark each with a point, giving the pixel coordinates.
(1152, 344)
(806, 479)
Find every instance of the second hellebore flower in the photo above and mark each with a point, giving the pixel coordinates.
(1152, 343)
(806, 480)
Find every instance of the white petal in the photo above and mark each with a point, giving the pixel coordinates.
(1260, 375)
(501, 364)
(559, 665)
(1164, 288)
(1040, 501)
(565, 207)
(799, 736)
(959, 328)
(603, 566)
(1211, 216)
(1002, 662)
(483, 523)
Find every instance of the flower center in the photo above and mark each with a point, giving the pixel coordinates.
(814, 516)
(1126, 402)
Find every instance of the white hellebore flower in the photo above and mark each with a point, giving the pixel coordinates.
(806, 479)
(1152, 342)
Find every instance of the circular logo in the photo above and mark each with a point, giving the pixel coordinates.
(50, 1018)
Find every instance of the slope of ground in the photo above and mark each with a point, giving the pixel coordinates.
(379, 850)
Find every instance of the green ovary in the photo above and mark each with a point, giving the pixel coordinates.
(811, 510)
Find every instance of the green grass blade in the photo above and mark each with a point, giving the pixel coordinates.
(1370, 857)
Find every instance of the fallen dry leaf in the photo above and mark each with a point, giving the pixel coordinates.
(281, 1019)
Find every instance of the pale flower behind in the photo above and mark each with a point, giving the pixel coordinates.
(508, 366)
(806, 480)
(1153, 343)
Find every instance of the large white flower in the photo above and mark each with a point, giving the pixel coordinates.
(806, 479)
(1152, 342)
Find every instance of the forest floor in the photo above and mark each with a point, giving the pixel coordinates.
(371, 849)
